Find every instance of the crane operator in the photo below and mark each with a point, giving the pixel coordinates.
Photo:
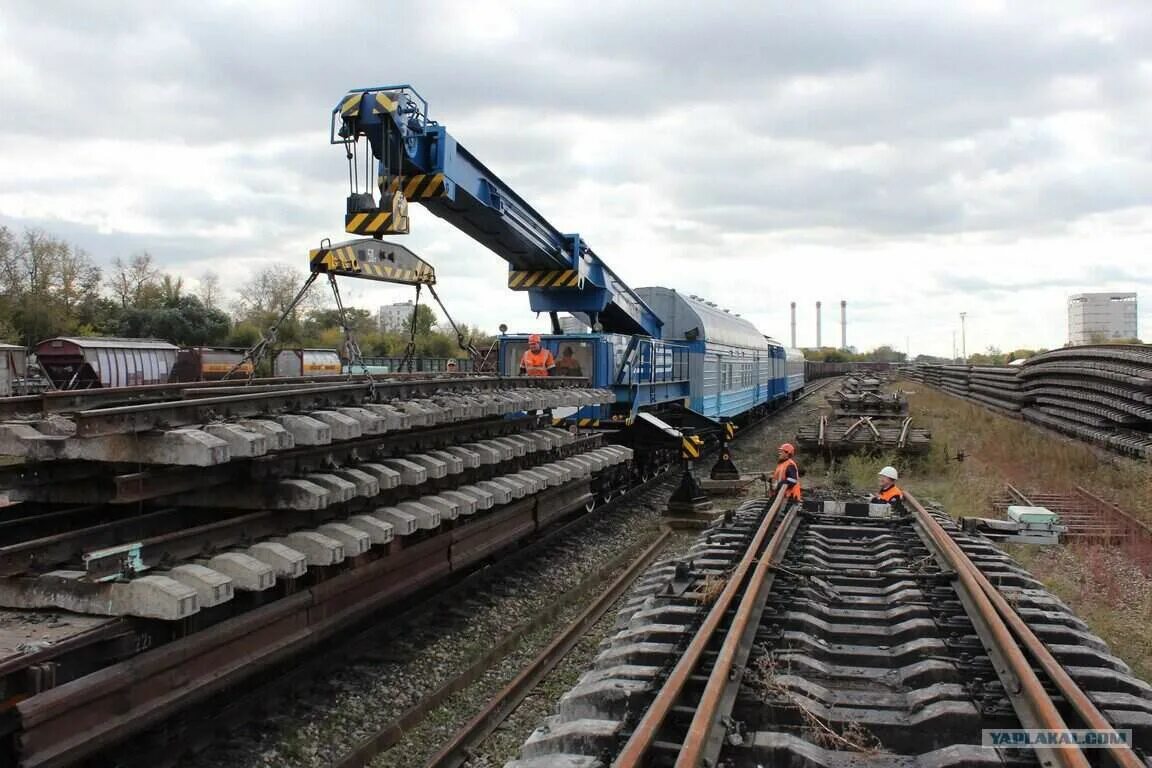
(536, 361)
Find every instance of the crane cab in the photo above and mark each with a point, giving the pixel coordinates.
(644, 372)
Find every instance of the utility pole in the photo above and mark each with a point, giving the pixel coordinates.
(963, 337)
(953, 346)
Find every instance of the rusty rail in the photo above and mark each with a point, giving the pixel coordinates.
(904, 428)
(73, 721)
(702, 732)
(455, 752)
(642, 739)
(1008, 638)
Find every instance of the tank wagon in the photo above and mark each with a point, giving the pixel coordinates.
(307, 362)
(209, 364)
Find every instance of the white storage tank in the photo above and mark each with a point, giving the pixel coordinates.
(307, 362)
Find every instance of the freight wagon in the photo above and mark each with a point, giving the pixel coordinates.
(307, 362)
(209, 364)
(97, 362)
(13, 369)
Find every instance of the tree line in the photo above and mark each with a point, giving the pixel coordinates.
(49, 287)
(881, 354)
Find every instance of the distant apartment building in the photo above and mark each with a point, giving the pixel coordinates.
(1095, 318)
(393, 316)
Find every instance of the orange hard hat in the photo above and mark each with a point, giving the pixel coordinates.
(788, 448)
(534, 338)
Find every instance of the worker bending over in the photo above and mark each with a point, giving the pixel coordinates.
(536, 360)
(787, 473)
(889, 493)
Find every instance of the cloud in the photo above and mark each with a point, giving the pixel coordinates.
(910, 160)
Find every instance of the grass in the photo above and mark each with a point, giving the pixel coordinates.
(763, 675)
(1105, 588)
(1007, 450)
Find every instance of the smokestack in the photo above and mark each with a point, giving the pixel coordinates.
(843, 324)
(793, 325)
(817, 325)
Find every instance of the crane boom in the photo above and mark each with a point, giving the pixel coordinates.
(417, 160)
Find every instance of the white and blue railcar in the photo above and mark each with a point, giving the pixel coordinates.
(794, 372)
(734, 370)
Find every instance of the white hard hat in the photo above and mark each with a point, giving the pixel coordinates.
(890, 473)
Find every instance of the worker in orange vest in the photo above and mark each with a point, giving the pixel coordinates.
(536, 360)
(786, 472)
(890, 493)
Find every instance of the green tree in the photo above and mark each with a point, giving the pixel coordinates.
(187, 322)
(136, 281)
(425, 320)
(45, 283)
(360, 321)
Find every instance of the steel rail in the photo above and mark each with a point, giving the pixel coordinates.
(658, 712)
(1005, 623)
(467, 582)
(455, 752)
(708, 714)
(1014, 491)
(1125, 517)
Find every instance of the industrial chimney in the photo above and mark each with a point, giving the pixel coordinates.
(843, 324)
(793, 325)
(817, 325)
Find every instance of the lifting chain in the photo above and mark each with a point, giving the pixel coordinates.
(466, 345)
(410, 349)
(256, 354)
(350, 344)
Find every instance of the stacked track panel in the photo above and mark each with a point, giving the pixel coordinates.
(1099, 393)
(232, 526)
(292, 479)
(862, 420)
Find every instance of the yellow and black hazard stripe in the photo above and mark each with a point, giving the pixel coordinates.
(522, 280)
(729, 430)
(578, 422)
(395, 274)
(422, 186)
(691, 447)
(343, 261)
(375, 223)
(381, 103)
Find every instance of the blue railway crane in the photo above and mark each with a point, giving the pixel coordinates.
(679, 371)
(418, 160)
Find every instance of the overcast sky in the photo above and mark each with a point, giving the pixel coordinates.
(915, 159)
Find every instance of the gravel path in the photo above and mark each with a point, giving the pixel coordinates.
(419, 744)
(318, 726)
(505, 743)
